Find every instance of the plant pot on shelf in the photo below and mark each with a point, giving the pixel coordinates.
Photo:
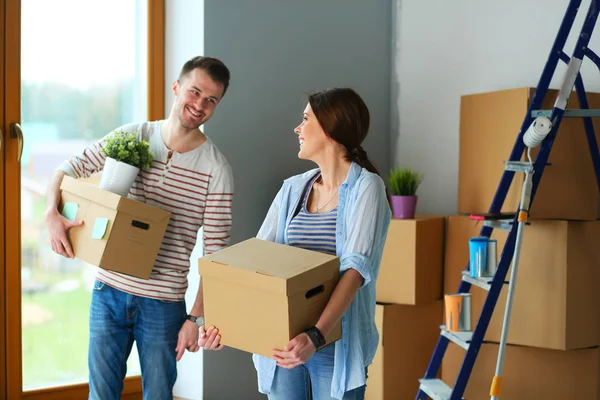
(117, 177)
(403, 207)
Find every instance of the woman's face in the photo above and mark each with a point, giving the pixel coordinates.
(311, 136)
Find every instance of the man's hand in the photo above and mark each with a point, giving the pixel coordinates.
(187, 339)
(297, 352)
(209, 340)
(57, 229)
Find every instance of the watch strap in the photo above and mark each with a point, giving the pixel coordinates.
(316, 336)
(197, 320)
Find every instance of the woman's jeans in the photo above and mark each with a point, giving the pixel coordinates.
(311, 381)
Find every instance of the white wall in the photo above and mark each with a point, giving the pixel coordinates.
(445, 49)
(184, 39)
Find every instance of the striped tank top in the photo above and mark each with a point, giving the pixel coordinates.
(313, 231)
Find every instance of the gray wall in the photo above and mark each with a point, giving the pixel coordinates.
(278, 51)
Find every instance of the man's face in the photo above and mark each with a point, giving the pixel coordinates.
(197, 96)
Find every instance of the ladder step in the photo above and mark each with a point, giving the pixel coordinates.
(484, 283)
(503, 224)
(436, 389)
(463, 339)
(578, 113)
(518, 166)
(508, 216)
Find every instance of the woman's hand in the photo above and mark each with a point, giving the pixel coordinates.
(297, 352)
(209, 340)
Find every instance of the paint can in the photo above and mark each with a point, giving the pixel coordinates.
(492, 259)
(458, 312)
(477, 255)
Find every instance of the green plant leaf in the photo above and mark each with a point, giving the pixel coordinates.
(404, 181)
(124, 147)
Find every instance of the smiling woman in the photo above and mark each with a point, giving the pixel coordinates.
(73, 90)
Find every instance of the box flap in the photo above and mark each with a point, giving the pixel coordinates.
(90, 192)
(243, 277)
(142, 211)
(289, 268)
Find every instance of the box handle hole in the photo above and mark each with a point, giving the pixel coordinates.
(140, 224)
(315, 291)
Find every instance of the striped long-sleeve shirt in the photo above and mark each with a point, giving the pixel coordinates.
(196, 187)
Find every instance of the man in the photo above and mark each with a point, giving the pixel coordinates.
(190, 178)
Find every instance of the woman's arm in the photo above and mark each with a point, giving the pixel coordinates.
(365, 237)
(340, 300)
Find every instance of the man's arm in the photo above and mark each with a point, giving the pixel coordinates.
(217, 225)
(217, 211)
(56, 223)
(53, 192)
(198, 307)
(82, 165)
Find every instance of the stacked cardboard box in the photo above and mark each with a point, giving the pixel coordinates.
(529, 373)
(489, 125)
(554, 334)
(409, 309)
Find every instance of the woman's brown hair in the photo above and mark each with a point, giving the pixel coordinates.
(345, 118)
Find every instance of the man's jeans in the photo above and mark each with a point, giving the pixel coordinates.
(311, 381)
(117, 319)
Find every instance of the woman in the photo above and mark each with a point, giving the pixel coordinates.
(339, 208)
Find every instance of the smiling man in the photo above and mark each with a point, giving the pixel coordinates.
(190, 178)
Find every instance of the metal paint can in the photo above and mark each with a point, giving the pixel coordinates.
(492, 259)
(477, 255)
(458, 312)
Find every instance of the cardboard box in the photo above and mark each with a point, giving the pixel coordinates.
(529, 373)
(262, 294)
(407, 338)
(118, 233)
(557, 302)
(489, 126)
(412, 261)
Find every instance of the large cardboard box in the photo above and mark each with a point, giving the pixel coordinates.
(412, 261)
(118, 233)
(262, 294)
(489, 125)
(557, 302)
(407, 338)
(529, 373)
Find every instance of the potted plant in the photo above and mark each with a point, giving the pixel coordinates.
(125, 156)
(403, 184)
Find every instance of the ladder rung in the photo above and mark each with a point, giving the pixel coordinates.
(579, 113)
(463, 339)
(504, 224)
(518, 166)
(436, 389)
(484, 283)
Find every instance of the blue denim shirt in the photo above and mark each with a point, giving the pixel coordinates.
(361, 229)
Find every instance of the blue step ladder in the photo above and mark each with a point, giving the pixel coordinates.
(430, 386)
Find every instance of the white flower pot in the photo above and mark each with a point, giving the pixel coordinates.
(118, 177)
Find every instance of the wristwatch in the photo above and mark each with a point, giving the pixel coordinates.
(197, 320)
(316, 336)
